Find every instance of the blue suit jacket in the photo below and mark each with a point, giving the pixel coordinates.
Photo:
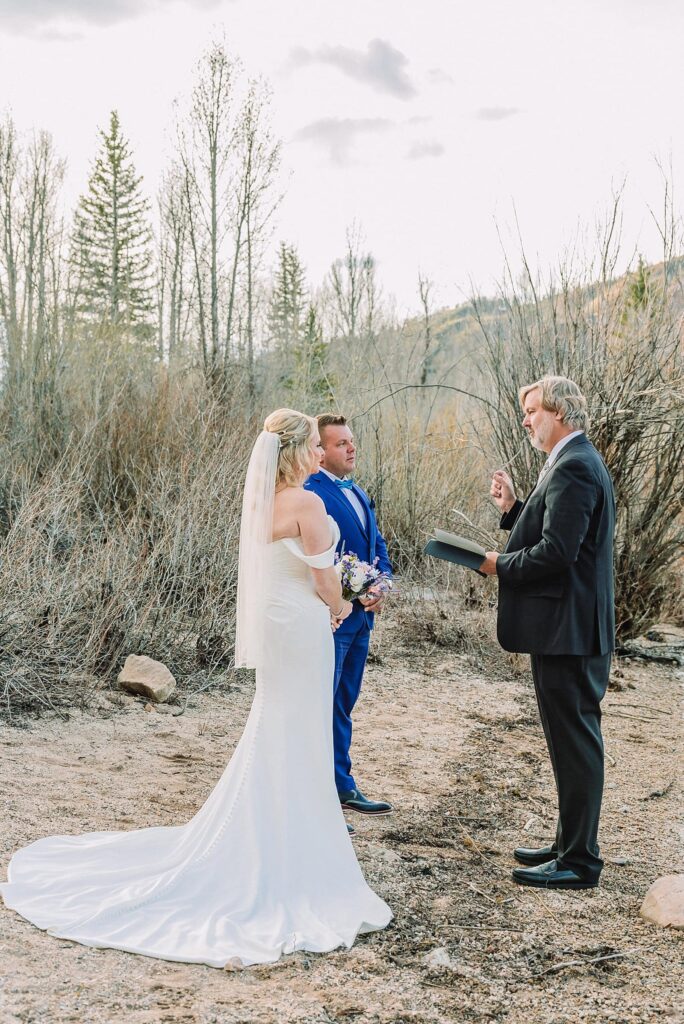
(368, 544)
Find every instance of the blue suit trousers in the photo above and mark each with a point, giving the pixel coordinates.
(351, 651)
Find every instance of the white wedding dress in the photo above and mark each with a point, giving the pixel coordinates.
(266, 866)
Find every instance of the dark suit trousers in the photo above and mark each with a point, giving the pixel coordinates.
(569, 691)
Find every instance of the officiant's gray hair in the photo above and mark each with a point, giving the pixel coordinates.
(562, 395)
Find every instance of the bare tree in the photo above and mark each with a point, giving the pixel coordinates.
(30, 254)
(172, 299)
(9, 266)
(259, 158)
(353, 287)
(230, 161)
(425, 292)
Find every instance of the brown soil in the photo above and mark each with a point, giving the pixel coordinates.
(453, 739)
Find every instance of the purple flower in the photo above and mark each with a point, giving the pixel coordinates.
(357, 577)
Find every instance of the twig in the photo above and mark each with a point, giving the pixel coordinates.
(543, 905)
(483, 533)
(404, 387)
(484, 927)
(583, 963)
(633, 718)
(660, 792)
(480, 893)
(643, 707)
(476, 847)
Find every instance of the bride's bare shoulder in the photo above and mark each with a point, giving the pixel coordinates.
(300, 501)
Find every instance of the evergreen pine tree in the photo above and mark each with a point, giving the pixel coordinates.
(112, 253)
(311, 381)
(287, 309)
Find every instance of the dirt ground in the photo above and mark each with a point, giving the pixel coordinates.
(452, 738)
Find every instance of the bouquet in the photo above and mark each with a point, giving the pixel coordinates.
(359, 578)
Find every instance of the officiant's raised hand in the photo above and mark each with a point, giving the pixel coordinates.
(502, 491)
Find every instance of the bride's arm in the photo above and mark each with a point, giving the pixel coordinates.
(314, 528)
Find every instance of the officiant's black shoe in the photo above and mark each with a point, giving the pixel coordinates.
(533, 857)
(551, 876)
(351, 830)
(356, 801)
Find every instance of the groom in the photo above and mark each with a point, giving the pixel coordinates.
(556, 603)
(354, 513)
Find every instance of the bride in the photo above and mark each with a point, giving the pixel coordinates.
(266, 865)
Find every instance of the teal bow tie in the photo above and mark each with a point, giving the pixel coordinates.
(344, 484)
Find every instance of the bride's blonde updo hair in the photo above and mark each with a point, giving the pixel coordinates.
(295, 431)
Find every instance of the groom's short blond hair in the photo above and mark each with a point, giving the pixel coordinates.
(560, 395)
(330, 419)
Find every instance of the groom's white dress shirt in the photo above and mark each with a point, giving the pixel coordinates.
(351, 498)
(555, 452)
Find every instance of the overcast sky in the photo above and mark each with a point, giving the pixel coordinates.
(428, 124)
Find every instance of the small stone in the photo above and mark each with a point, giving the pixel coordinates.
(147, 677)
(437, 959)
(664, 902)
(149, 707)
(389, 857)
(619, 861)
(234, 964)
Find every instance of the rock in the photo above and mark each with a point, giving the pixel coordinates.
(389, 857)
(664, 902)
(437, 959)
(621, 861)
(148, 677)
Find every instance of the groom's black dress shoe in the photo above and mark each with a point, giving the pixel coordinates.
(351, 830)
(356, 801)
(550, 876)
(534, 857)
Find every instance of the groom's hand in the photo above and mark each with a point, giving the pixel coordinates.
(372, 602)
(488, 567)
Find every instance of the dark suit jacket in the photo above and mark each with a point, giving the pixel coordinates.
(556, 571)
(367, 544)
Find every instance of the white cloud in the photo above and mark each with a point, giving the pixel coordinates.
(38, 17)
(496, 113)
(420, 150)
(439, 77)
(338, 135)
(382, 66)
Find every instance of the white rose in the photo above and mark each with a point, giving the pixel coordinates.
(358, 579)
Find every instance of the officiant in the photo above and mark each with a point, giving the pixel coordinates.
(354, 512)
(556, 603)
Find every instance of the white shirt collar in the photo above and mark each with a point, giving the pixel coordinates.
(330, 475)
(557, 448)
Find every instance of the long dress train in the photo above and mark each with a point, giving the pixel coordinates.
(266, 866)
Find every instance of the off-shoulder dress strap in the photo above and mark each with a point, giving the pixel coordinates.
(323, 559)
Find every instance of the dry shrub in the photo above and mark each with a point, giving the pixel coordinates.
(621, 340)
(126, 543)
(419, 470)
(457, 620)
